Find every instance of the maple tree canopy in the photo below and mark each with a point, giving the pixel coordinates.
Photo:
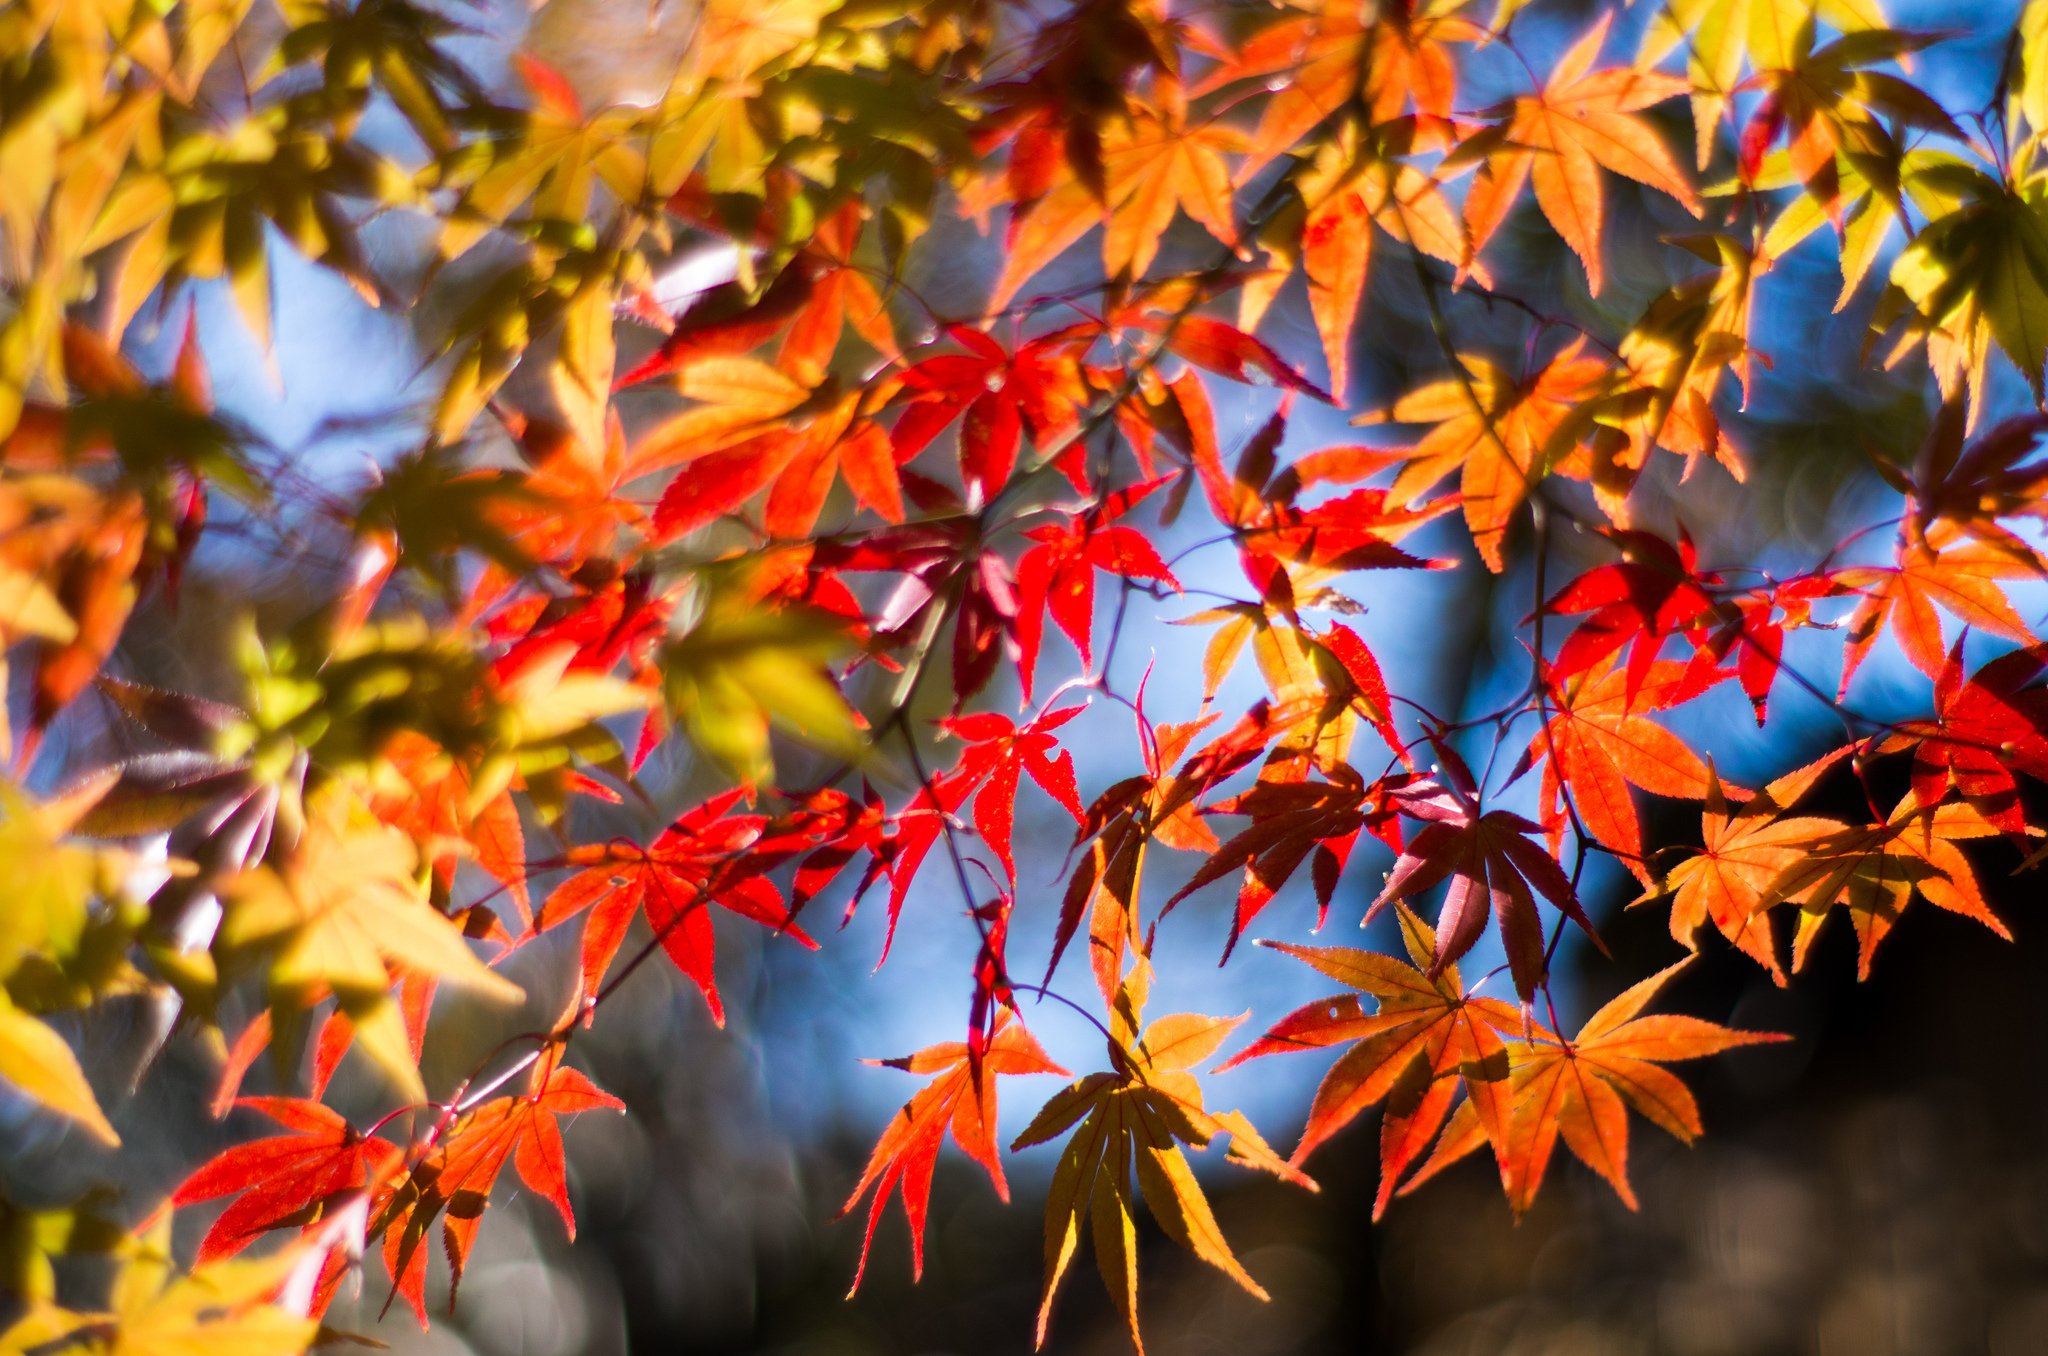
(801, 452)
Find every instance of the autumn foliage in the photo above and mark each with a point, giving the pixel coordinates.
(699, 473)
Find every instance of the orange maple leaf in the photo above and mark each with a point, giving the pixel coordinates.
(1563, 136)
(1156, 163)
(453, 1183)
(1961, 579)
(1427, 1038)
(1581, 1090)
(1875, 870)
(1332, 53)
(1500, 435)
(1743, 853)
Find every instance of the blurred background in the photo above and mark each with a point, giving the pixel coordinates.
(1877, 1186)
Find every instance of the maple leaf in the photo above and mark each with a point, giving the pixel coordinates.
(997, 395)
(572, 515)
(557, 161)
(1155, 163)
(39, 1063)
(1673, 361)
(427, 507)
(1971, 486)
(1753, 626)
(624, 621)
(286, 1179)
(1058, 574)
(859, 454)
(236, 1306)
(950, 570)
(336, 1035)
(1293, 822)
(438, 811)
(1323, 686)
(338, 918)
(1961, 579)
(1656, 591)
(1166, 165)
(796, 465)
(1390, 56)
(992, 992)
(1581, 1090)
(52, 892)
(843, 828)
(2032, 92)
(453, 1183)
(734, 399)
(1862, 211)
(1874, 870)
(738, 37)
(1082, 68)
(816, 295)
(1742, 855)
(1826, 106)
(720, 481)
(1139, 1114)
(842, 296)
(1229, 352)
(700, 860)
(1982, 731)
(1978, 275)
(1356, 531)
(1426, 1038)
(1500, 436)
(757, 659)
(1355, 183)
(1601, 741)
(960, 1097)
(1561, 138)
(997, 752)
(86, 564)
(1125, 819)
(1492, 863)
(394, 42)
(915, 830)
(1718, 34)
(1367, 687)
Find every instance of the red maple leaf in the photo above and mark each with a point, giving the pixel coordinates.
(943, 562)
(1754, 629)
(1656, 591)
(997, 752)
(703, 858)
(1983, 730)
(1293, 822)
(286, 1179)
(998, 395)
(1058, 574)
(1227, 351)
(843, 829)
(1354, 532)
